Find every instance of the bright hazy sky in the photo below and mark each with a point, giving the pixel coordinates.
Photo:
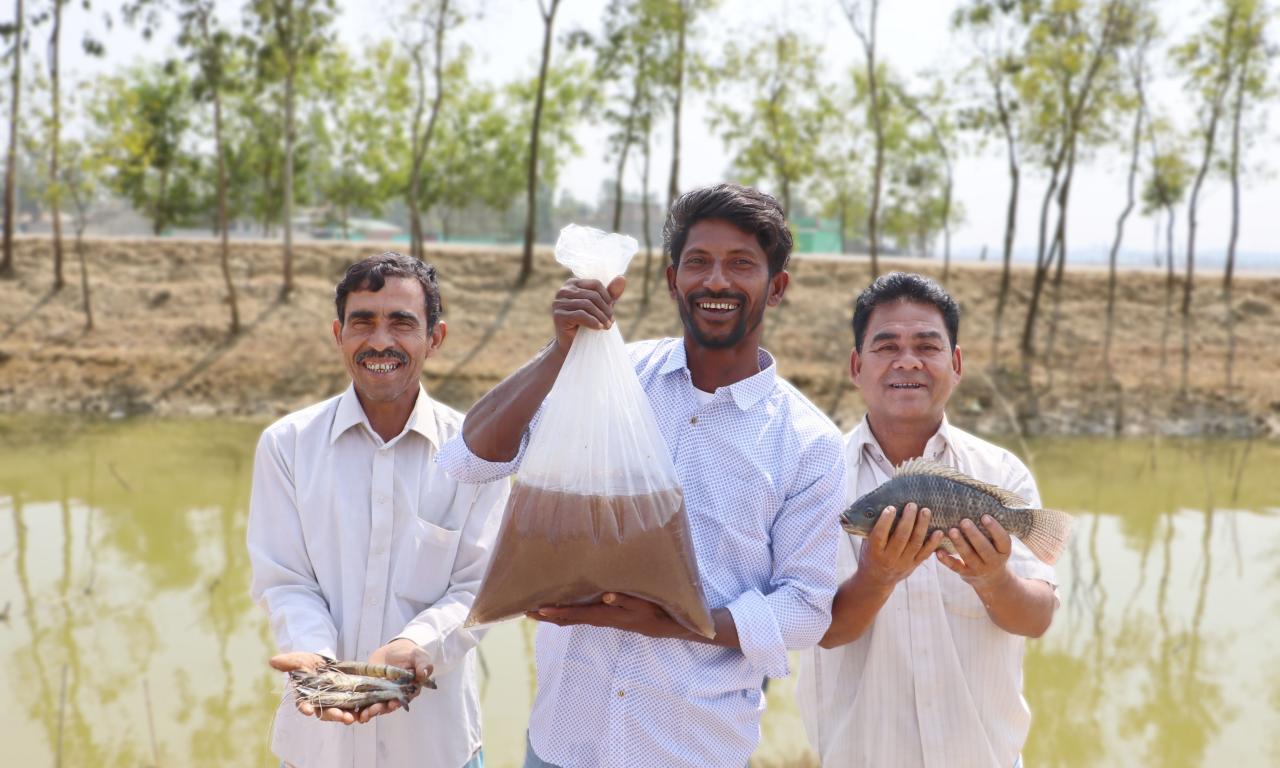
(914, 36)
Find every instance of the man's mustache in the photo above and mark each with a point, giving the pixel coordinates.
(704, 295)
(392, 353)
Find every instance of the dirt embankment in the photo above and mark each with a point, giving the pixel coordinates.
(160, 343)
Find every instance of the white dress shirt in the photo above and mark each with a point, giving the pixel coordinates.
(355, 541)
(763, 479)
(933, 681)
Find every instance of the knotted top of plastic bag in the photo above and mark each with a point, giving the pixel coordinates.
(592, 254)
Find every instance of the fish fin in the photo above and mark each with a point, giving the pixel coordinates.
(948, 545)
(920, 466)
(1050, 530)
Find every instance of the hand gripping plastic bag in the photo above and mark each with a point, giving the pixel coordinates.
(596, 505)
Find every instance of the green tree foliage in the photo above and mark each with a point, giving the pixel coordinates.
(142, 122)
(771, 127)
(289, 36)
(630, 67)
(355, 141)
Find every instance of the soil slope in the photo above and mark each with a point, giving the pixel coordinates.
(160, 343)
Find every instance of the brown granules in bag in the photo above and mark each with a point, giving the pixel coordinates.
(565, 549)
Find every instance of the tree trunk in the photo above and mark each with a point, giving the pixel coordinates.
(1043, 259)
(1010, 224)
(1170, 215)
(84, 277)
(1109, 325)
(1237, 113)
(224, 246)
(868, 38)
(844, 225)
(673, 183)
(10, 171)
(1060, 249)
(1210, 138)
(627, 140)
(422, 140)
(56, 124)
(290, 71)
(531, 193)
(644, 214)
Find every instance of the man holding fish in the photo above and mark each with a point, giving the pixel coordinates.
(922, 664)
(364, 550)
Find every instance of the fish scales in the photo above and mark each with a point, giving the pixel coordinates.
(951, 497)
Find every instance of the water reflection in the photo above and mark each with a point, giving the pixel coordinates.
(131, 640)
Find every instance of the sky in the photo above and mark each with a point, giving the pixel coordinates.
(505, 37)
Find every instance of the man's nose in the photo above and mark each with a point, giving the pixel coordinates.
(907, 360)
(381, 337)
(717, 278)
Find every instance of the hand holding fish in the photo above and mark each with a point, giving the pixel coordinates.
(892, 552)
(979, 560)
(301, 660)
(403, 653)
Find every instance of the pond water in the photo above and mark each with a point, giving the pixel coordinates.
(127, 636)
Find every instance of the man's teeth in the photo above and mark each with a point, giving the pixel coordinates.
(906, 386)
(722, 305)
(382, 367)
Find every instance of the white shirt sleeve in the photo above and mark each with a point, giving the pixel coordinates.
(1021, 561)
(284, 582)
(438, 628)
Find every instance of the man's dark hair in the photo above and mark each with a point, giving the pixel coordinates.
(748, 209)
(372, 273)
(906, 286)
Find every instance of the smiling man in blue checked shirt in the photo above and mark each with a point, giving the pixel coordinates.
(619, 682)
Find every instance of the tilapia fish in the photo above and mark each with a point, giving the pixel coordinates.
(951, 496)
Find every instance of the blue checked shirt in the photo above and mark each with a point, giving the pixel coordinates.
(763, 476)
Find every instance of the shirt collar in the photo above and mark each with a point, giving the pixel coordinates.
(862, 437)
(422, 420)
(746, 393)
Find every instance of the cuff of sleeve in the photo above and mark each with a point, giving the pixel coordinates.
(421, 635)
(1031, 568)
(459, 463)
(758, 635)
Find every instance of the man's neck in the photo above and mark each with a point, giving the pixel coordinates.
(715, 368)
(388, 419)
(903, 440)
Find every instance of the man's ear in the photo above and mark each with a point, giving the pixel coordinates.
(337, 332)
(855, 366)
(778, 286)
(671, 281)
(436, 339)
(957, 363)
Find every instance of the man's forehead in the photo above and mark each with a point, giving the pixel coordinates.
(905, 317)
(406, 296)
(721, 234)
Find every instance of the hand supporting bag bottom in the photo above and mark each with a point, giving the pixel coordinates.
(596, 505)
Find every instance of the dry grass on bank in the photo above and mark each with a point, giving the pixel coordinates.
(160, 344)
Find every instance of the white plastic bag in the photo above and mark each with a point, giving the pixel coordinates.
(597, 505)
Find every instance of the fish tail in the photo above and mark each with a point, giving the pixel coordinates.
(1049, 532)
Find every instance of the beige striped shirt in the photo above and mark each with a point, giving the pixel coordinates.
(933, 681)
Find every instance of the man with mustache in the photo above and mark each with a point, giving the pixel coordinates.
(619, 682)
(922, 665)
(362, 548)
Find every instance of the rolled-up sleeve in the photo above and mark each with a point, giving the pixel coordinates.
(797, 611)
(1021, 560)
(438, 628)
(457, 460)
(284, 582)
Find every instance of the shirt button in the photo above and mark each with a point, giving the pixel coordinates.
(694, 420)
(621, 694)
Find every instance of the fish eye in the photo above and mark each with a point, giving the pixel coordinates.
(869, 512)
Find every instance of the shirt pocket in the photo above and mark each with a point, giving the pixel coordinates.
(959, 598)
(427, 562)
